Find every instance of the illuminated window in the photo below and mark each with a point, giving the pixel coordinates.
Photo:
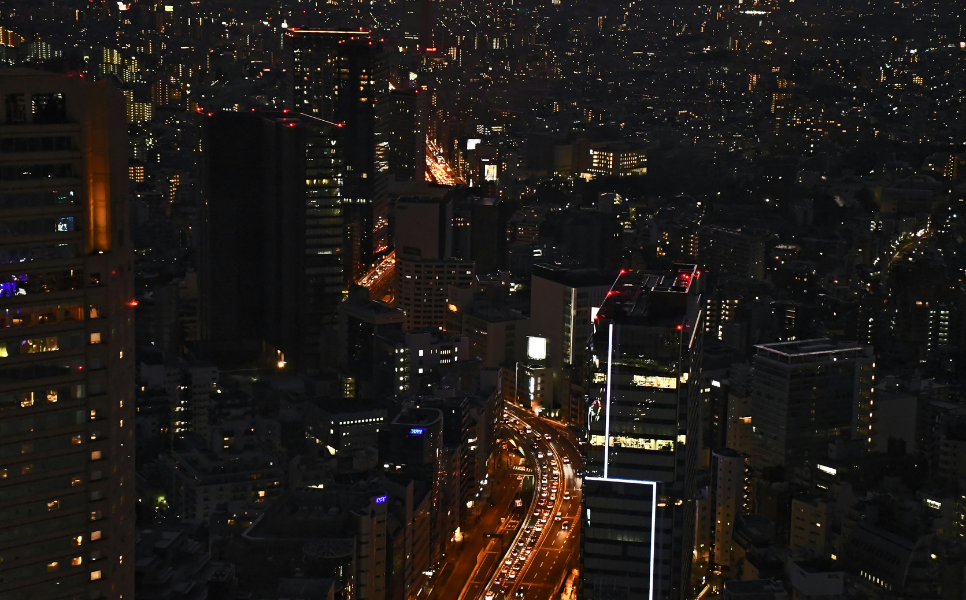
(3, 350)
(96, 338)
(74, 481)
(666, 383)
(96, 535)
(76, 561)
(38, 345)
(96, 455)
(95, 575)
(51, 396)
(77, 540)
(52, 566)
(53, 505)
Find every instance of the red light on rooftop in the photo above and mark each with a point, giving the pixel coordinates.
(133, 303)
(679, 327)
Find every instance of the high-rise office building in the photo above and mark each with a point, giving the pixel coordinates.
(360, 321)
(729, 485)
(338, 75)
(566, 298)
(404, 126)
(425, 268)
(739, 252)
(487, 239)
(418, 24)
(644, 362)
(806, 394)
(273, 241)
(66, 341)
(416, 450)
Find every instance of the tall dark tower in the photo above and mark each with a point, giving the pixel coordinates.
(66, 341)
(273, 235)
(339, 76)
(644, 366)
(405, 134)
(419, 21)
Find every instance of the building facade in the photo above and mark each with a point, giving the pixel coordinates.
(644, 364)
(267, 176)
(66, 341)
(806, 394)
(337, 75)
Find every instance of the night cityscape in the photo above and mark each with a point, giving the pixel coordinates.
(482, 300)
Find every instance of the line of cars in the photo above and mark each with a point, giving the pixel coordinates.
(547, 483)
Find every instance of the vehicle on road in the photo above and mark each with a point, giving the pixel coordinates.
(521, 591)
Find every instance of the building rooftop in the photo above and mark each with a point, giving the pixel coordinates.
(318, 515)
(418, 416)
(573, 277)
(650, 297)
(305, 588)
(803, 350)
(756, 588)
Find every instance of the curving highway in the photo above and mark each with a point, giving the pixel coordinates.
(538, 560)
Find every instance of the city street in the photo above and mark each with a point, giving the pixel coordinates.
(528, 562)
(554, 555)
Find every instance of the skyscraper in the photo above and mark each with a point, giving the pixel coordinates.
(425, 266)
(338, 75)
(66, 341)
(418, 24)
(644, 362)
(273, 240)
(806, 394)
(404, 127)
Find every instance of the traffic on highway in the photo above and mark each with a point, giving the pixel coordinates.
(540, 556)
